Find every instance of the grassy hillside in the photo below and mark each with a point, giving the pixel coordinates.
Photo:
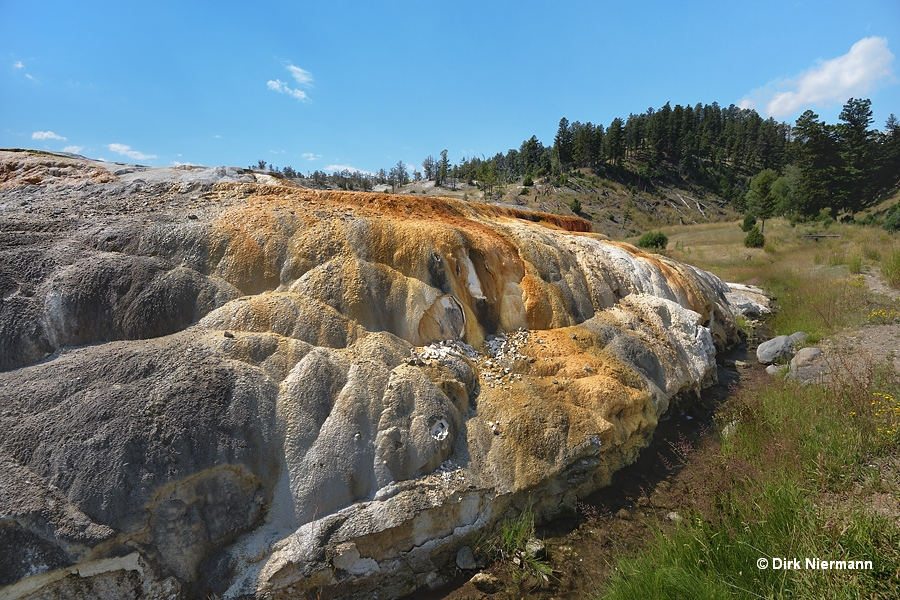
(615, 206)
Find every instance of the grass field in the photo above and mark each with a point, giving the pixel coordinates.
(796, 471)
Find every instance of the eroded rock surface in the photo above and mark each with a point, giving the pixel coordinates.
(247, 389)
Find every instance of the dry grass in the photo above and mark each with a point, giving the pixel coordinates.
(815, 283)
(804, 471)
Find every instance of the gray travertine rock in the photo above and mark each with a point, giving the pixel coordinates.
(777, 350)
(809, 366)
(215, 387)
(747, 300)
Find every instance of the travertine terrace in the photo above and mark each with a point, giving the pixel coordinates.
(217, 383)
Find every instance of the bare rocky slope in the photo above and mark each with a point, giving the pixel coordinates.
(214, 383)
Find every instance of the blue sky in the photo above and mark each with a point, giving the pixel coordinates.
(327, 85)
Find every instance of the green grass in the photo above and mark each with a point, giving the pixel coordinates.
(814, 302)
(507, 545)
(799, 472)
(794, 479)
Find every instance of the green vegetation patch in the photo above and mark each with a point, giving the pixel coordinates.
(653, 239)
(794, 478)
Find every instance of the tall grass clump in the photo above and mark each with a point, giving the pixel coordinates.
(890, 269)
(508, 544)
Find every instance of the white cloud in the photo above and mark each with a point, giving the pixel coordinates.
(311, 156)
(279, 86)
(127, 151)
(333, 168)
(73, 149)
(19, 65)
(862, 69)
(46, 135)
(301, 76)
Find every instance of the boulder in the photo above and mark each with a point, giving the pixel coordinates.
(747, 300)
(777, 350)
(776, 369)
(535, 548)
(809, 366)
(798, 338)
(487, 583)
(465, 559)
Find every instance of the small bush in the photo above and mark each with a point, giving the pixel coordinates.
(575, 205)
(892, 223)
(653, 239)
(855, 263)
(755, 239)
(749, 223)
(528, 181)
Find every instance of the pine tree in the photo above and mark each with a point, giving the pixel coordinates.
(762, 202)
(856, 178)
(563, 145)
(615, 142)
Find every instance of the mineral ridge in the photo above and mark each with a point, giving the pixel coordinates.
(215, 382)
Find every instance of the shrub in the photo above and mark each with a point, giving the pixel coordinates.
(575, 205)
(528, 181)
(749, 222)
(892, 223)
(653, 239)
(755, 239)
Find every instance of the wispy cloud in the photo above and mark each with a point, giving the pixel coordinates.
(20, 65)
(127, 151)
(352, 169)
(278, 85)
(46, 135)
(867, 65)
(301, 76)
(311, 156)
(73, 149)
